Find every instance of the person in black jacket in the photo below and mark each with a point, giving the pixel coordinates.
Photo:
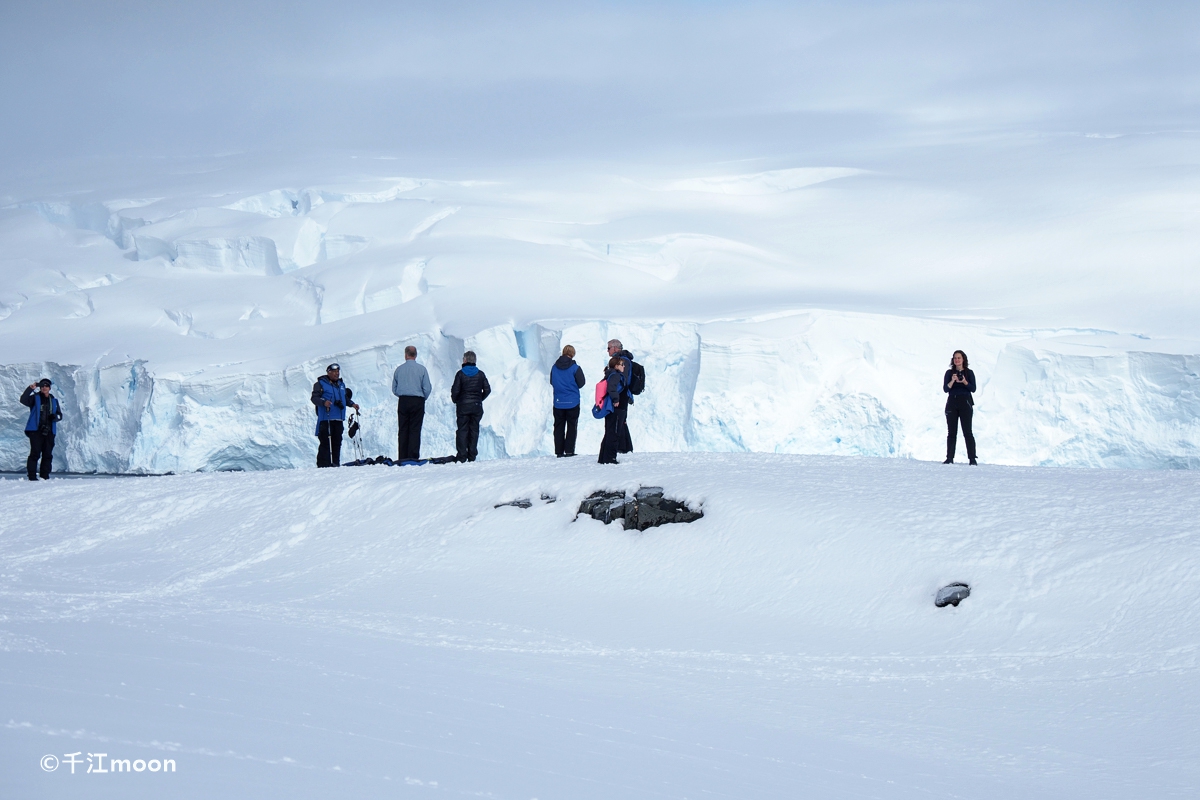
(958, 384)
(615, 348)
(469, 390)
(44, 416)
(614, 423)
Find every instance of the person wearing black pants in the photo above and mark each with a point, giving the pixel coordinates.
(566, 379)
(330, 396)
(615, 348)
(614, 423)
(469, 390)
(329, 442)
(44, 416)
(410, 384)
(566, 429)
(959, 383)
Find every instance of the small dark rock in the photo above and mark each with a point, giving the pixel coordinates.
(549, 498)
(951, 595)
(522, 503)
(600, 505)
(614, 510)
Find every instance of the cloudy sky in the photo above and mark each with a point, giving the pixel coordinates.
(611, 80)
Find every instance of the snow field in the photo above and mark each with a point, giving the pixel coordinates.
(393, 624)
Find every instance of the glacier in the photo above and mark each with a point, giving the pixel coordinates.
(183, 330)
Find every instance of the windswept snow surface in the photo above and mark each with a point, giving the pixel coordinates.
(791, 310)
(387, 632)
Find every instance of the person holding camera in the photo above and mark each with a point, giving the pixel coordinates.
(44, 416)
(331, 397)
(959, 383)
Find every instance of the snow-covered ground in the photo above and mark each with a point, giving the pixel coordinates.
(384, 632)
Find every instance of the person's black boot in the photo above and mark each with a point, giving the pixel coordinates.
(973, 463)
(949, 460)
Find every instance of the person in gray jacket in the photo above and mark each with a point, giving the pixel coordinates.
(410, 384)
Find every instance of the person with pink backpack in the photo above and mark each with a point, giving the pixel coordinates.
(608, 403)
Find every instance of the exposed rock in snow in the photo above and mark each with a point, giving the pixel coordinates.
(646, 509)
(951, 595)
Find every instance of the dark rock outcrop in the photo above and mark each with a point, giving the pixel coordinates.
(648, 508)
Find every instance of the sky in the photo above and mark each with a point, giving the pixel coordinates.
(603, 81)
(1036, 159)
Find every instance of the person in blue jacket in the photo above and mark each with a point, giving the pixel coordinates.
(959, 383)
(44, 416)
(567, 379)
(331, 397)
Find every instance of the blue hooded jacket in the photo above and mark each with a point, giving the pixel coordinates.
(34, 401)
(336, 393)
(567, 379)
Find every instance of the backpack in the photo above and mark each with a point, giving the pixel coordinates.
(603, 406)
(601, 391)
(637, 378)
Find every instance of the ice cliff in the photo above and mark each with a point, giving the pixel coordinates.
(813, 382)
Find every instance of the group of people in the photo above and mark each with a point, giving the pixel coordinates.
(410, 384)
(566, 377)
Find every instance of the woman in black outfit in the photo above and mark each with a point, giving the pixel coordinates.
(614, 374)
(959, 383)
